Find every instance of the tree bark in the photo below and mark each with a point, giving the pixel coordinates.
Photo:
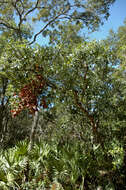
(3, 104)
(33, 130)
(124, 161)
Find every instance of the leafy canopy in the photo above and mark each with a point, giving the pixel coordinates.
(22, 18)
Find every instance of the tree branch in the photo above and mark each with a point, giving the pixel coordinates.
(22, 6)
(4, 2)
(8, 26)
(85, 79)
(19, 14)
(31, 10)
(51, 21)
(94, 124)
(90, 117)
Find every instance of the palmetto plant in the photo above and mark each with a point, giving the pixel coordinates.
(49, 166)
(12, 164)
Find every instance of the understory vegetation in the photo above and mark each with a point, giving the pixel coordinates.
(61, 165)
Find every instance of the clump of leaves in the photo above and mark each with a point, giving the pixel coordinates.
(28, 96)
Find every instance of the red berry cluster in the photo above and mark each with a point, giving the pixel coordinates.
(28, 96)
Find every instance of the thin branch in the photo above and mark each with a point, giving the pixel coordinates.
(65, 17)
(15, 6)
(94, 124)
(8, 26)
(4, 2)
(19, 14)
(31, 10)
(90, 117)
(85, 79)
(35, 36)
(22, 6)
(51, 21)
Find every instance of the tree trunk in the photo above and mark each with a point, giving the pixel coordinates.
(124, 161)
(33, 130)
(3, 108)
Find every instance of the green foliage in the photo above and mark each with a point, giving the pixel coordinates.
(18, 19)
(67, 166)
(12, 162)
(81, 136)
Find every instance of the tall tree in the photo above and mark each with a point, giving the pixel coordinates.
(117, 42)
(18, 22)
